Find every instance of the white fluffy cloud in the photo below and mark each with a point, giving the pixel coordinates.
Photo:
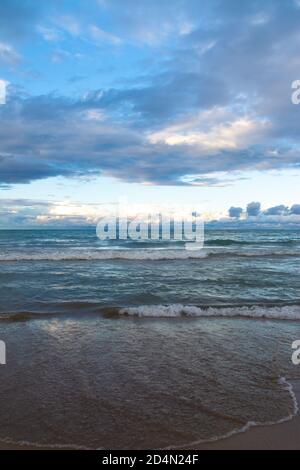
(214, 130)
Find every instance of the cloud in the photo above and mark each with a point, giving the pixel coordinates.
(198, 108)
(235, 212)
(89, 135)
(253, 209)
(214, 130)
(103, 36)
(168, 96)
(295, 209)
(152, 23)
(3, 91)
(17, 213)
(61, 55)
(49, 33)
(69, 24)
(277, 210)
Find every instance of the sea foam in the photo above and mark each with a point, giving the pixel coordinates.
(287, 312)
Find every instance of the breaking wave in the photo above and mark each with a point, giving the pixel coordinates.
(106, 255)
(271, 312)
(286, 312)
(139, 254)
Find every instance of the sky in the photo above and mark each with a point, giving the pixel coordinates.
(165, 102)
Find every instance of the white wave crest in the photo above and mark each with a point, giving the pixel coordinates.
(157, 254)
(105, 255)
(287, 312)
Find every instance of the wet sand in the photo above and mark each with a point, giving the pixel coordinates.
(283, 436)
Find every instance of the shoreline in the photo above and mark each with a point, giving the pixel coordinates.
(280, 436)
(284, 435)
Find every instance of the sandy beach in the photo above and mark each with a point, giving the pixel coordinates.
(283, 436)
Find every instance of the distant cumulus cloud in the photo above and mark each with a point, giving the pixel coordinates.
(295, 209)
(277, 210)
(253, 209)
(18, 213)
(235, 212)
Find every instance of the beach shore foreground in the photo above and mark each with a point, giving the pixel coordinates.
(283, 436)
